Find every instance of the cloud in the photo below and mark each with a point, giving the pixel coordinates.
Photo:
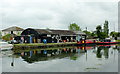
(57, 14)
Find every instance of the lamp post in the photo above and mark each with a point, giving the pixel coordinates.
(86, 35)
(86, 29)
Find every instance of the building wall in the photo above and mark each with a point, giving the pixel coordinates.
(5, 33)
(9, 32)
(17, 32)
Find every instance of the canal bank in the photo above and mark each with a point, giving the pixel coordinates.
(51, 45)
(42, 45)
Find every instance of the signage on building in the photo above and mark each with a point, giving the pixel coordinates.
(48, 35)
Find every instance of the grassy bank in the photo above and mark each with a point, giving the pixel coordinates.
(117, 40)
(41, 45)
(44, 44)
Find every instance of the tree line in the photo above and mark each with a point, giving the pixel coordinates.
(100, 32)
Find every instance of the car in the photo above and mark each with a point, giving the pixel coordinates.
(19, 41)
(13, 42)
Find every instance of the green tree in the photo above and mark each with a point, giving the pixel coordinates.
(0, 35)
(100, 34)
(74, 27)
(87, 32)
(98, 30)
(106, 29)
(114, 34)
(47, 28)
(7, 37)
(93, 33)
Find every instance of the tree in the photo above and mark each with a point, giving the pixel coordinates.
(74, 27)
(98, 30)
(100, 34)
(7, 37)
(47, 28)
(93, 33)
(106, 29)
(114, 34)
(0, 35)
(87, 32)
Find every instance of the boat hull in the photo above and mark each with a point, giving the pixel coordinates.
(79, 42)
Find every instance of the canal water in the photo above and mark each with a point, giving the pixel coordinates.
(68, 59)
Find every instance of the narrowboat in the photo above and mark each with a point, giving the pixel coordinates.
(107, 41)
(89, 41)
(93, 41)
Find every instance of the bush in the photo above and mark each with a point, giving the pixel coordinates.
(7, 37)
(8, 42)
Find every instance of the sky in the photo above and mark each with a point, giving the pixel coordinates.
(58, 14)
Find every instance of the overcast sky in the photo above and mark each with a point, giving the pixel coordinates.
(58, 14)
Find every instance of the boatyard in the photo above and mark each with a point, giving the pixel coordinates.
(48, 38)
(43, 47)
(59, 36)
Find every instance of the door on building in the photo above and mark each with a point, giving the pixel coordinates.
(11, 32)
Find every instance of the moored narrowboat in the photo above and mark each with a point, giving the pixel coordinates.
(107, 41)
(93, 41)
(90, 41)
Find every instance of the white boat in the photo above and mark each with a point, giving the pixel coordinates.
(5, 46)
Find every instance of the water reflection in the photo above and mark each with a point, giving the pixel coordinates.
(73, 53)
(101, 58)
(43, 55)
(12, 63)
(103, 50)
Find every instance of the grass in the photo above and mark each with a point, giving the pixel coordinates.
(39, 45)
(117, 40)
(43, 44)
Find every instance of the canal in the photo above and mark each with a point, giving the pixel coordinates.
(65, 59)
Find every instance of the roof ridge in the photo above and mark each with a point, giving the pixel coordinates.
(13, 28)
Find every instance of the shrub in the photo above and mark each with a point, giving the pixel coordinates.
(7, 37)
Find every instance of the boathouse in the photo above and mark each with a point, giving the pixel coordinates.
(52, 36)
